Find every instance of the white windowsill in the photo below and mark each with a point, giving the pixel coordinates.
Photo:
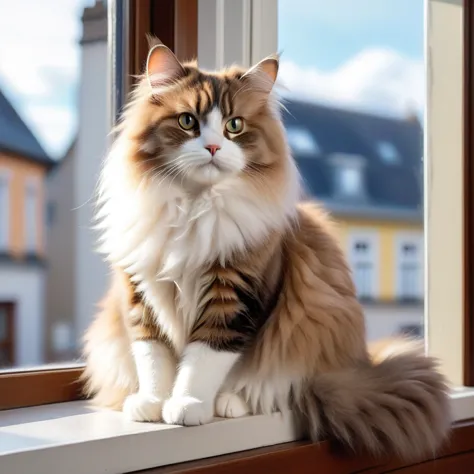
(73, 438)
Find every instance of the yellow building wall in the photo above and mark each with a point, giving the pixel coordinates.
(387, 232)
(21, 171)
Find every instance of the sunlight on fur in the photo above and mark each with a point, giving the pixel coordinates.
(229, 295)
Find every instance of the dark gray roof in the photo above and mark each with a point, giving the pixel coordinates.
(392, 176)
(16, 137)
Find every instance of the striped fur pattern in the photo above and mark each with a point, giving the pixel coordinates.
(229, 295)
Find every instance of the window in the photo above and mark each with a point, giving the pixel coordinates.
(349, 175)
(52, 272)
(57, 121)
(409, 258)
(302, 142)
(31, 216)
(7, 343)
(350, 181)
(388, 152)
(318, 73)
(4, 211)
(354, 97)
(363, 259)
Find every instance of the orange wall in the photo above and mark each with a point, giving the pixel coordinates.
(22, 170)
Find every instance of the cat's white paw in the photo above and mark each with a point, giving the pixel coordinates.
(231, 405)
(188, 411)
(143, 407)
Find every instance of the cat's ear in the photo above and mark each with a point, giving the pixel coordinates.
(152, 40)
(263, 75)
(162, 66)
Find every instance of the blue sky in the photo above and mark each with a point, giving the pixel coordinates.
(357, 53)
(327, 33)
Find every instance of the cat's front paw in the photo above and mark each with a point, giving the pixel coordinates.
(188, 411)
(231, 405)
(143, 407)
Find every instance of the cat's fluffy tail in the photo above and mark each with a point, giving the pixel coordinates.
(397, 404)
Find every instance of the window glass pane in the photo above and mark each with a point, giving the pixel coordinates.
(4, 209)
(353, 80)
(302, 141)
(6, 335)
(53, 132)
(388, 152)
(3, 325)
(350, 181)
(30, 216)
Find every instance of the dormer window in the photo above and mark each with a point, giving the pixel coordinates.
(388, 152)
(302, 142)
(349, 176)
(350, 181)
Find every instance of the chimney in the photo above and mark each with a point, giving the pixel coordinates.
(411, 114)
(94, 21)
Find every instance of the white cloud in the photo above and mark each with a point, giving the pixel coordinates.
(55, 125)
(376, 80)
(39, 64)
(47, 40)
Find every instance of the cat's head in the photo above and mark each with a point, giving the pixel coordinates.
(199, 128)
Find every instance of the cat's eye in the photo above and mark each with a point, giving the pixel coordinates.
(235, 125)
(187, 121)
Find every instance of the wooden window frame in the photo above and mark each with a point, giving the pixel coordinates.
(303, 457)
(165, 19)
(468, 157)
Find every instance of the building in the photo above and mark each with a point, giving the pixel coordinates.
(367, 170)
(77, 275)
(61, 239)
(23, 169)
(92, 140)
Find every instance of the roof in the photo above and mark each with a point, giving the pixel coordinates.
(16, 137)
(388, 152)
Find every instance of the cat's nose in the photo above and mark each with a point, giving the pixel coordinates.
(212, 149)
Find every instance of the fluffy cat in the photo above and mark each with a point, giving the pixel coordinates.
(229, 295)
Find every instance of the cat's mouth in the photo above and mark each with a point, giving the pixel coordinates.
(213, 164)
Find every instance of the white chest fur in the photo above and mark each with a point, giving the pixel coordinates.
(167, 239)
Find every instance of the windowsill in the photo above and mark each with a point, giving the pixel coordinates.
(72, 437)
